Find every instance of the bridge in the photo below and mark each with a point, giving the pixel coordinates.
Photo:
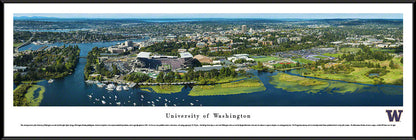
(26, 43)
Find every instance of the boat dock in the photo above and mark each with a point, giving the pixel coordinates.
(177, 83)
(134, 84)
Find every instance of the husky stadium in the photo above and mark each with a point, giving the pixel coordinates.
(165, 63)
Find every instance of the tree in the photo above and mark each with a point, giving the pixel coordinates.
(170, 77)
(160, 77)
(115, 70)
(391, 65)
(17, 78)
(178, 76)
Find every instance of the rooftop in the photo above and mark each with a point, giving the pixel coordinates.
(186, 55)
(144, 55)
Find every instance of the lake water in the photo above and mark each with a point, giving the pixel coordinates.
(73, 91)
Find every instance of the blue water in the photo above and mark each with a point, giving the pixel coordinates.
(73, 91)
(373, 74)
(36, 93)
(85, 47)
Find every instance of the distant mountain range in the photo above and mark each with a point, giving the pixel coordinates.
(33, 17)
(335, 21)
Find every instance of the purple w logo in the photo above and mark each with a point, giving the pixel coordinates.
(394, 115)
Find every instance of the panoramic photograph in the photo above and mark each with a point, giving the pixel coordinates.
(231, 59)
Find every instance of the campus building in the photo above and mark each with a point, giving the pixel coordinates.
(165, 63)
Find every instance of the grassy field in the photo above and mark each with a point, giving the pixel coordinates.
(394, 75)
(332, 55)
(383, 50)
(16, 44)
(243, 86)
(266, 59)
(303, 60)
(167, 89)
(30, 98)
(320, 57)
(359, 74)
(296, 83)
(348, 50)
(293, 83)
(28, 82)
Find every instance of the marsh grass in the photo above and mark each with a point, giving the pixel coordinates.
(30, 95)
(167, 89)
(239, 87)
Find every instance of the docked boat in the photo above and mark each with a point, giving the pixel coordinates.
(125, 88)
(118, 88)
(110, 87)
(118, 103)
(100, 85)
(103, 102)
(132, 85)
(50, 81)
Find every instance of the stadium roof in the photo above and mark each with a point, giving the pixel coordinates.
(144, 55)
(186, 55)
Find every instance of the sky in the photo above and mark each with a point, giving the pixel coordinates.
(219, 15)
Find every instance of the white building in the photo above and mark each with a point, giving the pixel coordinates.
(295, 39)
(144, 55)
(182, 50)
(244, 28)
